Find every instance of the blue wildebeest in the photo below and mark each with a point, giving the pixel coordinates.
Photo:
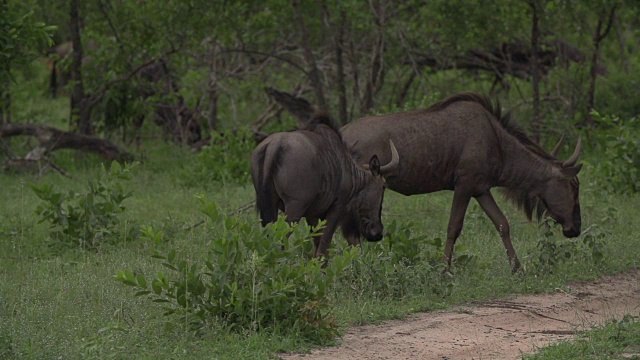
(310, 173)
(465, 144)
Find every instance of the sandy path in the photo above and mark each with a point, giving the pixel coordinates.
(503, 329)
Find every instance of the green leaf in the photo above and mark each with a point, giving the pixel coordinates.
(141, 280)
(142, 292)
(156, 286)
(170, 266)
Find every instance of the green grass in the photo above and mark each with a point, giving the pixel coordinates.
(617, 340)
(67, 305)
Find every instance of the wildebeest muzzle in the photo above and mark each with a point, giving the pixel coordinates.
(374, 232)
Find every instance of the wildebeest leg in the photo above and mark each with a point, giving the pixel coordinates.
(456, 220)
(325, 240)
(488, 204)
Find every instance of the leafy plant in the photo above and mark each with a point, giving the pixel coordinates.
(252, 279)
(226, 159)
(86, 220)
(619, 140)
(552, 250)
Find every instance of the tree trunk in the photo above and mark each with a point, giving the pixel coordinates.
(5, 83)
(213, 91)
(376, 73)
(338, 44)
(340, 80)
(314, 72)
(598, 36)
(536, 7)
(80, 109)
(405, 89)
(5, 103)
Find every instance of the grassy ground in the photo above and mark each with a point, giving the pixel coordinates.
(617, 340)
(67, 305)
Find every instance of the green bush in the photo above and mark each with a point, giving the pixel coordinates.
(618, 142)
(552, 250)
(86, 220)
(252, 279)
(226, 159)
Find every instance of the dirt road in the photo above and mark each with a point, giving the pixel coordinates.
(503, 329)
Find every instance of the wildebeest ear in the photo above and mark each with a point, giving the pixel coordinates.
(374, 165)
(571, 171)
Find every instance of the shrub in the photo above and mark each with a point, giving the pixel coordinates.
(86, 220)
(553, 250)
(252, 279)
(226, 159)
(619, 144)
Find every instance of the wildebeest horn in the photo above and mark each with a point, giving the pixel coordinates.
(555, 150)
(575, 156)
(393, 164)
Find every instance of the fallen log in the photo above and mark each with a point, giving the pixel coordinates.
(51, 139)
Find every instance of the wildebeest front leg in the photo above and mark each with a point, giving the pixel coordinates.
(456, 220)
(325, 240)
(488, 204)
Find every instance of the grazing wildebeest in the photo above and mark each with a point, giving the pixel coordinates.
(464, 144)
(310, 173)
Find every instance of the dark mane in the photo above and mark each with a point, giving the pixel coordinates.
(504, 120)
(519, 196)
(469, 97)
(320, 119)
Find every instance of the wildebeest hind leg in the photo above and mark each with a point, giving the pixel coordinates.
(488, 204)
(456, 220)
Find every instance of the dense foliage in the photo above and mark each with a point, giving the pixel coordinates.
(619, 141)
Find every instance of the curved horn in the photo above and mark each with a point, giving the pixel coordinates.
(555, 150)
(393, 164)
(575, 156)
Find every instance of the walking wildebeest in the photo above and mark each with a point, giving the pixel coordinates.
(464, 144)
(310, 173)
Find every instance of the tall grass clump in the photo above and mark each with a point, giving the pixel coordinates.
(400, 266)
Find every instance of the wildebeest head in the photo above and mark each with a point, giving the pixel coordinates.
(559, 195)
(365, 210)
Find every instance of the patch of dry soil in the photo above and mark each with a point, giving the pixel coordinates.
(498, 329)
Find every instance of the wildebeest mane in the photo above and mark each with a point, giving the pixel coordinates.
(320, 118)
(503, 119)
(517, 194)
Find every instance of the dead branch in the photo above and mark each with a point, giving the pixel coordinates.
(51, 139)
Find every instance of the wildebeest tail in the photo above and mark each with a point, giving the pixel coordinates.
(266, 197)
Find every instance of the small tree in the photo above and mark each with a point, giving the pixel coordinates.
(20, 38)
